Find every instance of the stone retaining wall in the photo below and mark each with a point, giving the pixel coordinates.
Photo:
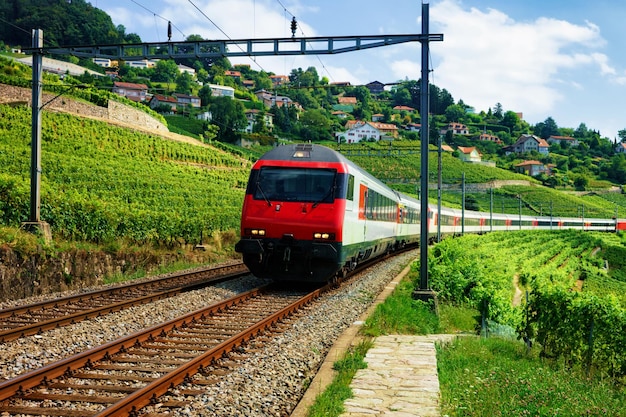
(116, 112)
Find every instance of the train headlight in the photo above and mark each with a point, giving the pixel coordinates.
(255, 232)
(323, 236)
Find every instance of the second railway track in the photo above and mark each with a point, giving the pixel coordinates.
(26, 320)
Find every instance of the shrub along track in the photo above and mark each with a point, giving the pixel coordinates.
(21, 321)
(120, 377)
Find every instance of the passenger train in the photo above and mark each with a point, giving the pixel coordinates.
(311, 215)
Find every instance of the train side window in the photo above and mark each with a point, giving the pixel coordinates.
(350, 192)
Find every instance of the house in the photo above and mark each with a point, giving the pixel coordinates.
(528, 143)
(559, 140)
(234, 74)
(279, 79)
(206, 115)
(532, 168)
(620, 148)
(103, 62)
(222, 91)
(414, 127)
(186, 100)
(340, 114)
(143, 63)
(375, 87)
(358, 130)
(252, 115)
(469, 154)
(455, 128)
(160, 100)
(490, 138)
(185, 69)
(351, 101)
(447, 148)
(403, 108)
(248, 84)
(270, 99)
(341, 84)
(377, 117)
(132, 91)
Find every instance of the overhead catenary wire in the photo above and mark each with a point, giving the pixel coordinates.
(159, 16)
(304, 36)
(27, 31)
(220, 29)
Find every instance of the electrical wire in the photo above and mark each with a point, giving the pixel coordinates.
(304, 36)
(159, 16)
(224, 33)
(46, 42)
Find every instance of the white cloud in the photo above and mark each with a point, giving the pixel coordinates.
(487, 57)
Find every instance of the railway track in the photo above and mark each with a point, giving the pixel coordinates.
(121, 377)
(21, 321)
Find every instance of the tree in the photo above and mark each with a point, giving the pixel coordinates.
(497, 111)
(581, 182)
(315, 125)
(622, 135)
(259, 125)
(165, 70)
(184, 81)
(455, 113)
(511, 120)
(546, 128)
(229, 115)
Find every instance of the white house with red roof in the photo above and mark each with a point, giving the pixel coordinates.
(456, 128)
(529, 143)
(132, 91)
(532, 168)
(486, 137)
(469, 154)
(554, 139)
(358, 130)
(160, 100)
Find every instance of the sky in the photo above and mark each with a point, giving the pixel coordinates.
(541, 58)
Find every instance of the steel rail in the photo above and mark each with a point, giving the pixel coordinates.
(129, 406)
(224, 273)
(66, 366)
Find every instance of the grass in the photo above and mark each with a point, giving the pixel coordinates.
(478, 376)
(497, 377)
(330, 402)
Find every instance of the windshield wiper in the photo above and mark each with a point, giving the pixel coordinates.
(329, 192)
(258, 187)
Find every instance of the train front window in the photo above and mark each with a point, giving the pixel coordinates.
(296, 184)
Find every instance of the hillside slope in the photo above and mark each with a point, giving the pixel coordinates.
(102, 182)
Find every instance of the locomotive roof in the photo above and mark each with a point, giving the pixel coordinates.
(305, 152)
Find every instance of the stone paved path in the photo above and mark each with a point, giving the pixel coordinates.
(400, 379)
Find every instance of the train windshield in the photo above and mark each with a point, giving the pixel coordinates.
(310, 185)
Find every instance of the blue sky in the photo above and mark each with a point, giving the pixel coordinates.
(543, 58)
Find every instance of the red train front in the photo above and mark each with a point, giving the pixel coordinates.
(293, 212)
